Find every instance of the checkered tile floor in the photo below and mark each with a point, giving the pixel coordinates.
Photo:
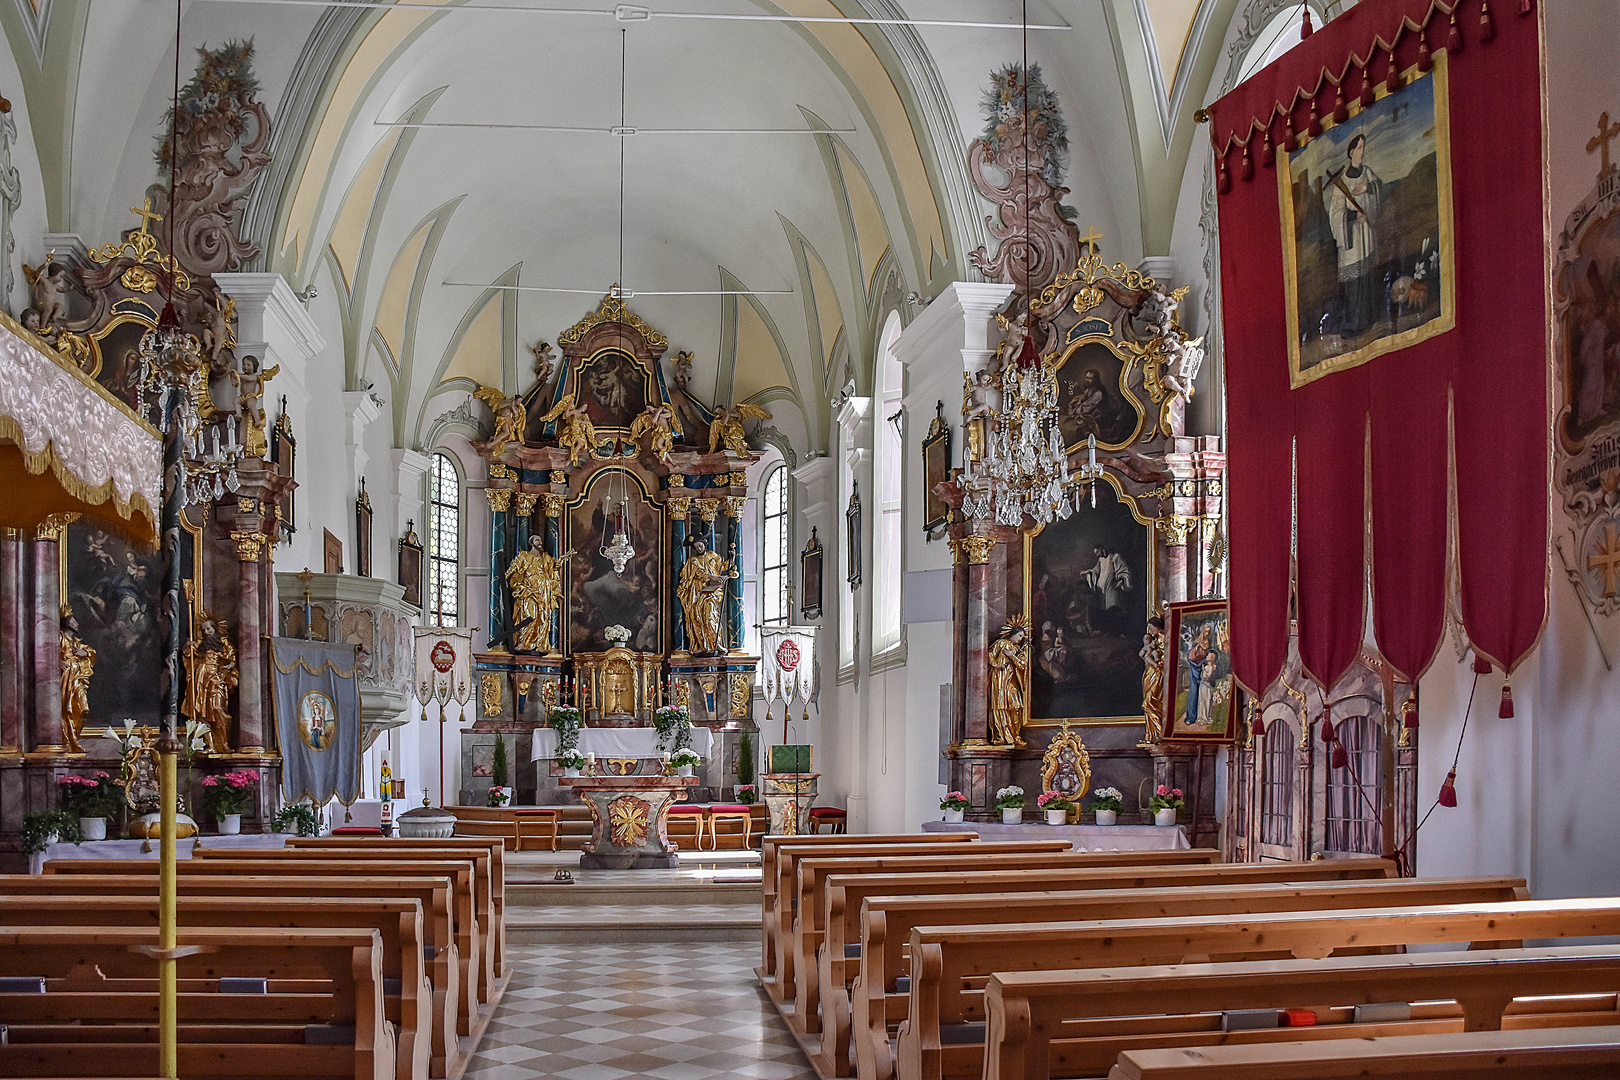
(605, 1012)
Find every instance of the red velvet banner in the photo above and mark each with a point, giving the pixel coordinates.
(1433, 356)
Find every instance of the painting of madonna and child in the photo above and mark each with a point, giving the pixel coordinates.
(1198, 677)
(1089, 589)
(1366, 226)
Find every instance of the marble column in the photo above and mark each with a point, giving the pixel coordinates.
(47, 638)
(250, 633)
(974, 718)
(680, 509)
(500, 504)
(15, 659)
(735, 505)
(552, 506)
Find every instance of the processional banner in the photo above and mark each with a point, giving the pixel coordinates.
(317, 703)
(443, 666)
(1385, 295)
(788, 663)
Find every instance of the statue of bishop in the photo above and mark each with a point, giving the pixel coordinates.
(535, 578)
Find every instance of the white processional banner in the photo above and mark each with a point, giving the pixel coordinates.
(787, 667)
(443, 665)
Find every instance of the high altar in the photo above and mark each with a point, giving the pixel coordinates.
(616, 500)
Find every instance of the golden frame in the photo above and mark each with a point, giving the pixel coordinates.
(651, 391)
(121, 315)
(1130, 502)
(1127, 362)
(567, 540)
(1448, 277)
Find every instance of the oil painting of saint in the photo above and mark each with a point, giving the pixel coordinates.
(115, 594)
(317, 720)
(613, 388)
(598, 595)
(1090, 401)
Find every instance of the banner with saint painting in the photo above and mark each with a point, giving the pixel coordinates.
(317, 704)
(1199, 689)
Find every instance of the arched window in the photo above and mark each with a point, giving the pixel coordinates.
(443, 607)
(1280, 35)
(773, 549)
(887, 540)
(1277, 790)
(1352, 792)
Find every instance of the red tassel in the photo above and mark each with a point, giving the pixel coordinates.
(1392, 77)
(1289, 144)
(1409, 714)
(1223, 179)
(1454, 38)
(1306, 29)
(1482, 666)
(1341, 111)
(1487, 26)
(1247, 172)
(1525, 8)
(1315, 126)
(1425, 58)
(1368, 93)
(1448, 790)
(1327, 732)
(1268, 156)
(1258, 727)
(1506, 710)
(1341, 756)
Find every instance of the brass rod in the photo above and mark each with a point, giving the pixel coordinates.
(168, 916)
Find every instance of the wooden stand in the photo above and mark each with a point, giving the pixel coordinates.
(628, 820)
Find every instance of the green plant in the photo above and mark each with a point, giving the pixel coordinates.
(566, 721)
(745, 760)
(1166, 798)
(229, 793)
(1054, 800)
(570, 759)
(1107, 799)
(685, 758)
(499, 774)
(90, 796)
(299, 818)
(40, 828)
(746, 794)
(674, 726)
(953, 800)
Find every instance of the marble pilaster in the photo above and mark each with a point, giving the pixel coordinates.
(552, 506)
(15, 658)
(680, 509)
(500, 502)
(47, 641)
(735, 505)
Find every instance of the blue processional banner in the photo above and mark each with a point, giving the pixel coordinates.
(317, 702)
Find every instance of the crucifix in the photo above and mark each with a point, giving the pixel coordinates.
(148, 217)
(1606, 559)
(1599, 143)
(1091, 238)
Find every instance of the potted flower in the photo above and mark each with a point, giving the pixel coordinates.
(617, 636)
(674, 726)
(1107, 802)
(1057, 806)
(566, 721)
(954, 804)
(1164, 804)
(571, 761)
(746, 795)
(227, 796)
(1010, 801)
(42, 828)
(685, 760)
(297, 819)
(92, 799)
(500, 776)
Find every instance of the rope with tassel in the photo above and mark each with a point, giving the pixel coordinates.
(1448, 789)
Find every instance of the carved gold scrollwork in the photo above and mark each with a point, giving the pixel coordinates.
(249, 545)
(677, 480)
(551, 504)
(54, 526)
(742, 691)
(1066, 767)
(500, 499)
(1176, 528)
(489, 689)
(524, 502)
(974, 550)
(708, 508)
(683, 693)
(497, 471)
(734, 506)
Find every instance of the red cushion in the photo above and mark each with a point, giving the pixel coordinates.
(730, 808)
(357, 830)
(686, 809)
(827, 812)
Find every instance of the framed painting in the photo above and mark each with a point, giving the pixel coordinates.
(614, 387)
(936, 454)
(1368, 255)
(362, 532)
(410, 565)
(1200, 693)
(115, 358)
(1089, 583)
(116, 594)
(852, 539)
(1092, 398)
(598, 595)
(283, 455)
(810, 567)
(331, 553)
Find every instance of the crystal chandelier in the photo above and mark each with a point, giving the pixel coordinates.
(1026, 466)
(170, 386)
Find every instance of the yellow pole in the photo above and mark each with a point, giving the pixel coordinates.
(168, 988)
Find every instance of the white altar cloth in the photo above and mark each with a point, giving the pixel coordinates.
(131, 849)
(1083, 837)
(620, 742)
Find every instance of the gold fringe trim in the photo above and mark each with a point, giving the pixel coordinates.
(50, 353)
(91, 495)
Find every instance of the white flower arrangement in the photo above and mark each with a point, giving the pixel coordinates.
(1108, 798)
(1010, 797)
(616, 635)
(685, 758)
(571, 759)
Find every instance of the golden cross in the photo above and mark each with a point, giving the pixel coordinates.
(1599, 144)
(147, 216)
(1607, 560)
(1091, 238)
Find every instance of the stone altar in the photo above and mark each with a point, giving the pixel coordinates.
(628, 820)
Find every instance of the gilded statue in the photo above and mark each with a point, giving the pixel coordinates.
(574, 430)
(702, 593)
(1009, 683)
(211, 675)
(250, 383)
(660, 420)
(510, 417)
(1153, 680)
(78, 664)
(727, 427)
(535, 578)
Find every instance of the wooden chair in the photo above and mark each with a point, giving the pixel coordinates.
(730, 812)
(682, 815)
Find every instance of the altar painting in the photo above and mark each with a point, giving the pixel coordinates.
(116, 594)
(115, 356)
(600, 597)
(1089, 587)
(613, 387)
(1367, 231)
(1091, 396)
(1199, 682)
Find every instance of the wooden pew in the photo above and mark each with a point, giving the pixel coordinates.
(809, 924)
(1076, 1023)
(768, 884)
(349, 960)
(877, 1000)
(787, 896)
(462, 874)
(950, 963)
(434, 894)
(1529, 1054)
(398, 921)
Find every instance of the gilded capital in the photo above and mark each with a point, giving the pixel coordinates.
(524, 502)
(54, 526)
(249, 545)
(551, 504)
(500, 499)
(246, 505)
(974, 550)
(679, 507)
(558, 476)
(734, 506)
(708, 508)
(1176, 528)
(497, 471)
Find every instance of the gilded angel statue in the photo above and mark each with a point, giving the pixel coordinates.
(728, 427)
(574, 430)
(510, 417)
(659, 419)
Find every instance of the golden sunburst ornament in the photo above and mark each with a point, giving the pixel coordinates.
(627, 821)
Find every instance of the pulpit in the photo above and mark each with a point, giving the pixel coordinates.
(629, 819)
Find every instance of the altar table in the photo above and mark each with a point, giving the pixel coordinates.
(622, 742)
(131, 849)
(1083, 837)
(629, 818)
